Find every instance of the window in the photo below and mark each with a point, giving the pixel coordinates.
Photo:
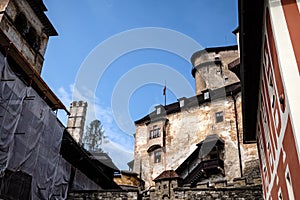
(155, 132)
(181, 102)
(21, 24)
(271, 80)
(288, 178)
(206, 95)
(280, 195)
(273, 101)
(158, 111)
(28, 32)
(32, 39)
(219, 116)
(157, 156)
(289, 183)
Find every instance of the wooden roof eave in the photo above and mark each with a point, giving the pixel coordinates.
(38, 83)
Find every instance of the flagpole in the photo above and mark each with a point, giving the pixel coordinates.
(165, 93)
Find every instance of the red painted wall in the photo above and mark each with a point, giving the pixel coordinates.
(276, 141)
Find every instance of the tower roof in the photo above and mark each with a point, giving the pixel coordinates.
(190, 102)
(212, 49)
(39, 9)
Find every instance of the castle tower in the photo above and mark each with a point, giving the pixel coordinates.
(210, 68)
(24, 33)
(76, 120)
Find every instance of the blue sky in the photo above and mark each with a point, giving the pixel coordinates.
(139, 45)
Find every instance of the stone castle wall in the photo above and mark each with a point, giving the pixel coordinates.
(211, 69)
(105, 195)
(187, 128)
(240, 188)
(245, 193)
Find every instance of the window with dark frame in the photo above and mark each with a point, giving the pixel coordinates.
(219, 116)
(157, 156)
(155, 132)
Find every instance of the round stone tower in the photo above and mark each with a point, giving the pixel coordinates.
(210, 68)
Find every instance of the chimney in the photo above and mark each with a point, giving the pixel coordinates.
(76, 120)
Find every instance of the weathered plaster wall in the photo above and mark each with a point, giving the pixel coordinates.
(187, 128)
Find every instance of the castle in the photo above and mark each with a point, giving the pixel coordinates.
(189, 149)
(198, 139)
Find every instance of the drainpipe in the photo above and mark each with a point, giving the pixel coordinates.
(237, 132)
(169, 188)
(141, 167)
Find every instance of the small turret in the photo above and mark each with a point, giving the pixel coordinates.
(76, 120)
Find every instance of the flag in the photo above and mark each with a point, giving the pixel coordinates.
(164, 90)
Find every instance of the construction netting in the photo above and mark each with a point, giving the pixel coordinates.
(30, 139)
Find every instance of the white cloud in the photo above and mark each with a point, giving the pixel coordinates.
(66, 99)
(64, 96)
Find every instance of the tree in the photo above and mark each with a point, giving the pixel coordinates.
(94, 136)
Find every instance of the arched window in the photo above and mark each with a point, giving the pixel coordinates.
(27, 31)
(21, 24)
(32, 39)
(157, 150)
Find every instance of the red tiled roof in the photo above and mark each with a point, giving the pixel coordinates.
(168, 174)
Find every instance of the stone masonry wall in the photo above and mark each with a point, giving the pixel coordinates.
(104, 195)
(76, 120)
(253, 192)
(12, 9)
(241, 193)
